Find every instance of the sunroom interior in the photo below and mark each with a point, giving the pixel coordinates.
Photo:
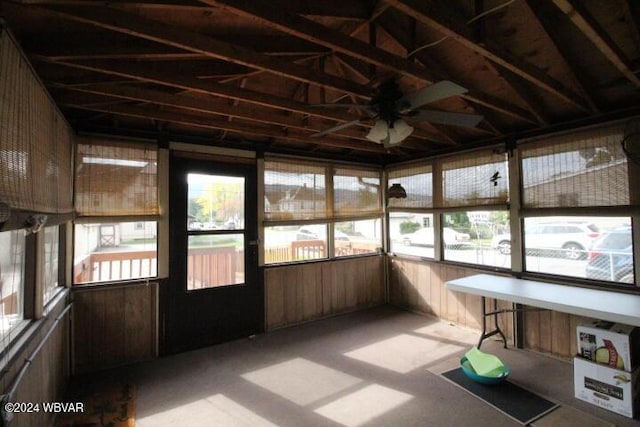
(189, 183)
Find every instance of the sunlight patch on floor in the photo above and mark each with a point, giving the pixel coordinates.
(216, 410)
(364, 405)
(301, 381)
(403, 353)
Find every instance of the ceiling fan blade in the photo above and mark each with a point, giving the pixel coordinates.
(446, 118)
(435, 92)
(336, 128)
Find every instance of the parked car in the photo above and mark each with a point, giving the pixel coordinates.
(572, 238)
(424, 237)
(611, 257)
(318, 232)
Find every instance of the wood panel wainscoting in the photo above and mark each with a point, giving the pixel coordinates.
(418, 285)
(299, 293)
(45, 379)
(114, 325)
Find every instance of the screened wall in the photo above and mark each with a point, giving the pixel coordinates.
(316, 210)
(572, 207)
(35, 180)
(116, 201)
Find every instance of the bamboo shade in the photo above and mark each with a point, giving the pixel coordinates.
(35, 140)
(356, 192)
(417, 182)
(467, 179)
(585, 168)
(294, 191)
(115, 179)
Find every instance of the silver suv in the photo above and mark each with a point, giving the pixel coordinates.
(572, 238)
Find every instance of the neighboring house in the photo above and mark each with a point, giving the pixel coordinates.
(564, 190)
(300, 200)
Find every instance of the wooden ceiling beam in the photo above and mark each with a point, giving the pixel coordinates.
(209, 87)
(474, 96)
(138, 26)
(293, 24)
(201, 105)
(551, 31)
(454, 27)
(582, 19)
(319, 34)
(633, 10)
(224, 125)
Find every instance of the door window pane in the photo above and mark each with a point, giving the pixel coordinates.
(215, 260)
(215, 202)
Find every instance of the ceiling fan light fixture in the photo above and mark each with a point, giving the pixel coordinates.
(399, 131)
(379, 132)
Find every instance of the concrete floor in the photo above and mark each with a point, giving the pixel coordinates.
(370, 368)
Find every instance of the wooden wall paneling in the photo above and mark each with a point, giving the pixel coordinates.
(473, 305)
(560, 334)
(451, 303)
(334, 293)
(289, 279)
(415, 280)
(420, 277)
(274, 298)
(46, 378)
(308, 291)
(312, 280)
(396, 283)
(139, 304)
(348, 277)
(379, 280)
(461, 299)
(112, 337)
(113, 326)
(531, 328)
(544, 330)
(436, 289)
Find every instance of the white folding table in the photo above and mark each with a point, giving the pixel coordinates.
(601, 304)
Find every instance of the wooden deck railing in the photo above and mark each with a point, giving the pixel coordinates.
(314, 249)
(109, 266)
(206, 267)
(212, 267)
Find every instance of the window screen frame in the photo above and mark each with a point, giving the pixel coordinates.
(629, 210)
(330, 217)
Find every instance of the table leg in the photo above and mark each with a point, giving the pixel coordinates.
(497, 329)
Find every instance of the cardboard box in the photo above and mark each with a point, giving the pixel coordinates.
(612, 344)
(612, 389)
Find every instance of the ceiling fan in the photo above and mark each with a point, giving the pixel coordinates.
(391, 109)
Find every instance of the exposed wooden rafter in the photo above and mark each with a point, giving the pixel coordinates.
(312, 31)
(551, 32)
(138, 26)
(581, 17)
(453, 27)
(224, 125)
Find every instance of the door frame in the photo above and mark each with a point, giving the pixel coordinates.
(177, 304)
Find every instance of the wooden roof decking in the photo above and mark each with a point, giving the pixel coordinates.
(246, 73)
